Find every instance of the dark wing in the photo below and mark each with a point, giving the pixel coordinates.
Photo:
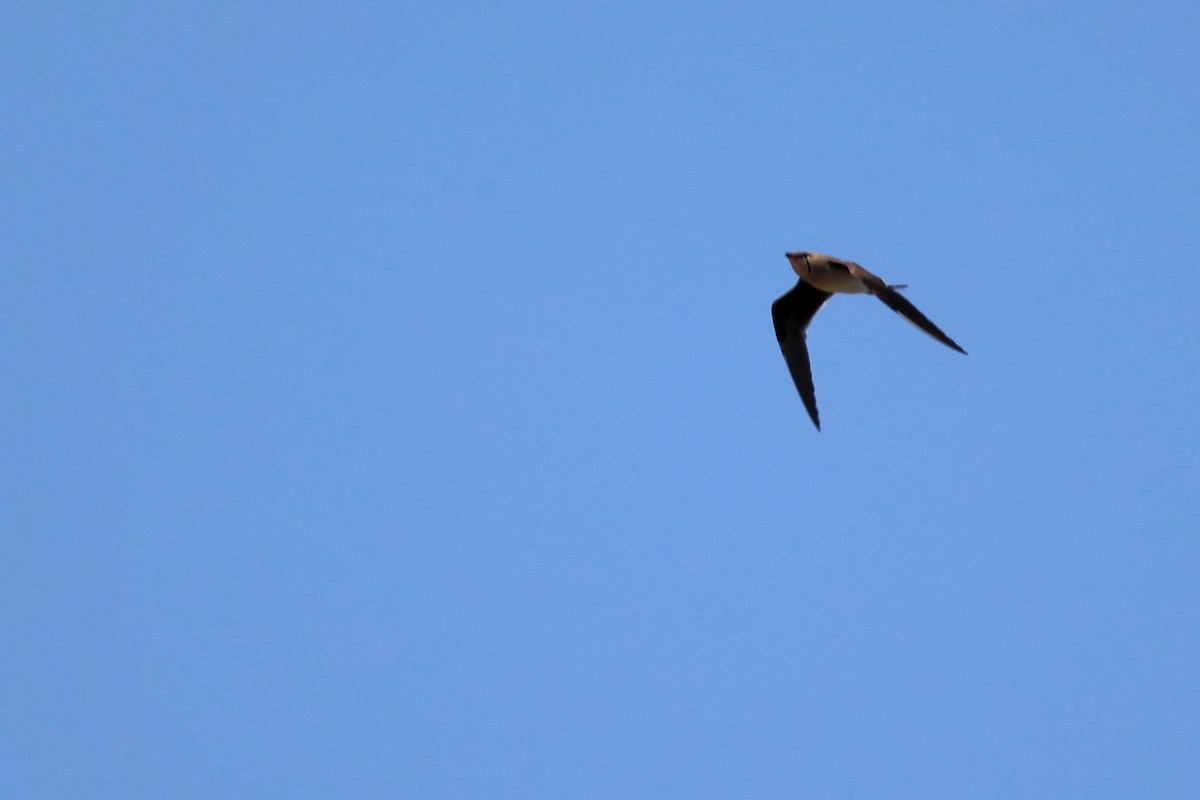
(899, 303)
(791, 314)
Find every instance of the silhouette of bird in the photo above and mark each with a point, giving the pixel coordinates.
(821, 277)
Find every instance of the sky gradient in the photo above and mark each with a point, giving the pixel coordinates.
(391, 406)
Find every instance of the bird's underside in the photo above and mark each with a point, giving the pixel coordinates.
(821, 277)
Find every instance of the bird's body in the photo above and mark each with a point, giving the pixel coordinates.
(827, 274)
(821, 277)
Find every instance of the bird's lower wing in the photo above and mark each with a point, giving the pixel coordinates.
(792, 312)
(900, 304)
(795, 353)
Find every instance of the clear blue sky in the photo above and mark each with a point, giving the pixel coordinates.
(390, 405)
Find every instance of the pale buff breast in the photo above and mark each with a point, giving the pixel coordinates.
(820, 271)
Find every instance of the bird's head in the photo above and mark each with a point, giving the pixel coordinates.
(799, 261)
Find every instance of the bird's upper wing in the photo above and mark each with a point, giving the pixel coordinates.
(899, 303)
(791, 313)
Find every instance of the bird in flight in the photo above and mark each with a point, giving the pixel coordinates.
(821, 277)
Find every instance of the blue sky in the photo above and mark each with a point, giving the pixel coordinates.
(391, 406)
